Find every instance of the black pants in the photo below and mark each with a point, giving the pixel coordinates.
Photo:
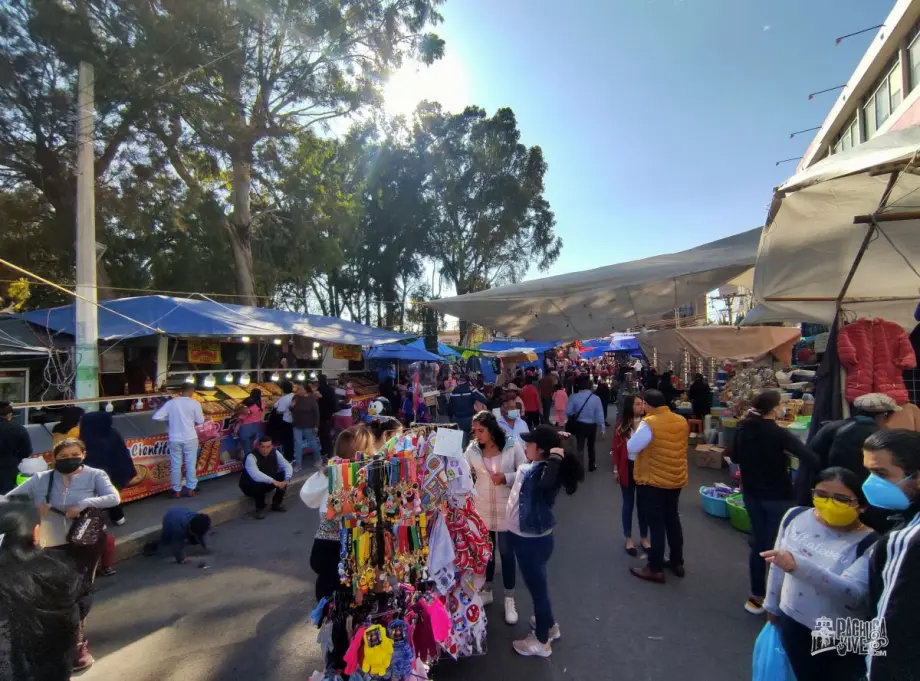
(586, 433)
(532, 419)
(324, 560)
(286, 438)
(797, 642)
(547, 404)
(258, 490)
(325, 437)
(660, 507)
(116, 513)
(85, 560)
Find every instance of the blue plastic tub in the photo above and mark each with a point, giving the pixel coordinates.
(714, 506)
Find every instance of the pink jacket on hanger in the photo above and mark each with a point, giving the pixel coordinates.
(875, 352)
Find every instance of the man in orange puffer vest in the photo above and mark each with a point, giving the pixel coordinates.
(659, 448)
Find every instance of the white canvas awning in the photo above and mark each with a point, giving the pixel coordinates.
(616, 297)
(721, 342)
(820, 244)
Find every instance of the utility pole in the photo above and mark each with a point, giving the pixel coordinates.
(87, 353)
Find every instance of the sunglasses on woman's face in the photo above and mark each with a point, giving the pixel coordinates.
(842, 498)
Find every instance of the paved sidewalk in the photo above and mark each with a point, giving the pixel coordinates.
(220, 498)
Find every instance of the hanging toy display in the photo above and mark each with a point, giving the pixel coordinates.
(412, 559)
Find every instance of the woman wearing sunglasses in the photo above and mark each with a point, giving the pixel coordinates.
(819, 570)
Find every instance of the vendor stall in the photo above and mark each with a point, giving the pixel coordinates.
(414, 555)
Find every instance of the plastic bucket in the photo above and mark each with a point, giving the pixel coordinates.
(714, 506)
(737, 513)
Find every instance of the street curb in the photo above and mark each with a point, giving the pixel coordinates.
(132, 545)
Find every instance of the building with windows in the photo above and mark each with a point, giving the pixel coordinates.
(883, 93)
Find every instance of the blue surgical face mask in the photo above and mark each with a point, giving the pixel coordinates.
(883, 493)
(514, 413)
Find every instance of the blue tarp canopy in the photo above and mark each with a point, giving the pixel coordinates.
(593, 353)
(627, 343)
(184, 317)
(410, 352)
(445, 351)
(538, 347)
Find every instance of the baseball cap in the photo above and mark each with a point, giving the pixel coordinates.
(512, 387)
(545, 437)
(875, 403)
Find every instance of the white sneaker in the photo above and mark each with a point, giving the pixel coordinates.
(511, 613)
(554, 633)
(754, 606)
(487, 597)
(531, 647)
(120, 521)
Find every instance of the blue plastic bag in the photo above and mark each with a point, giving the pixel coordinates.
(770, 661)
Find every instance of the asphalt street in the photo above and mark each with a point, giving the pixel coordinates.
(246, 615)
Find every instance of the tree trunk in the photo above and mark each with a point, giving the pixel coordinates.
(239, 226)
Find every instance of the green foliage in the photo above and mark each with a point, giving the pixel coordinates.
(215, 171)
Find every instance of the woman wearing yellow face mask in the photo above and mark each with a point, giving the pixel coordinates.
(819, 569)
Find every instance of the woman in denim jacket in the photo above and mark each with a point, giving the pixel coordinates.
(530, 523)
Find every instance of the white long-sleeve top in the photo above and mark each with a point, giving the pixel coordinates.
(252, 467)
(492, 499)
(641, 438)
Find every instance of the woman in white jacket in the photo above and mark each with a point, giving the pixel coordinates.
(494, 458)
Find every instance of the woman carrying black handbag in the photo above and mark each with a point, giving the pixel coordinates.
(69, 498)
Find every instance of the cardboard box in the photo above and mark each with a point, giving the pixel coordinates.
(709, 456)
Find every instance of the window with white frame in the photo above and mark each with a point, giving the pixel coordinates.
(886, 98)
(913, 55)
(849, 136)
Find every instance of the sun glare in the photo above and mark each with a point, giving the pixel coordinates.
(444, 82)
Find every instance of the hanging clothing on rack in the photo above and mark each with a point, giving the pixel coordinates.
(875, 352)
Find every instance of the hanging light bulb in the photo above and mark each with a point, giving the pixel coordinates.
(288, 375)
(139, 405)
(228, 378)
(210, 381)
(244, 379)
(190, 379)
(109, 407)
(245, 339)
(276, 341)
(313, 375)
(275, 377)
(301, 376)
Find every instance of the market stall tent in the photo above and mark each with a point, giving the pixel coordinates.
(845, 234)
(721, 342)
(187, 317)
(397, 352)
(595, 302)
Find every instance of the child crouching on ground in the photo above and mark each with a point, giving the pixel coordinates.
(530, 523)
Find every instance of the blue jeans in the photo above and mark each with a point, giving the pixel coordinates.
(247, 436)
(629, 502)
(766, 516)
(305, 437)
(532, 555)
(501, 546)
(187, 453)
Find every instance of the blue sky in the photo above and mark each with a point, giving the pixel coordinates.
(661, 120)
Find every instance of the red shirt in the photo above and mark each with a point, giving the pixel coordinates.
(531, 398)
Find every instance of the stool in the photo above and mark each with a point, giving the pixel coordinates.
(696, 425)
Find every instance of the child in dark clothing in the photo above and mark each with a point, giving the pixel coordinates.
(181, 526)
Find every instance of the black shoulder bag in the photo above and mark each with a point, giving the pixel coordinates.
(87, 529)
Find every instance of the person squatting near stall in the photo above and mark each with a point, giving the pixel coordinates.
(659, 446)
(71, 491)
(39, 617)
(265, 470)
(494, 457)
(182, 414)
(530, 522)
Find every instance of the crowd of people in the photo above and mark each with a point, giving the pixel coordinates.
(837, 539)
